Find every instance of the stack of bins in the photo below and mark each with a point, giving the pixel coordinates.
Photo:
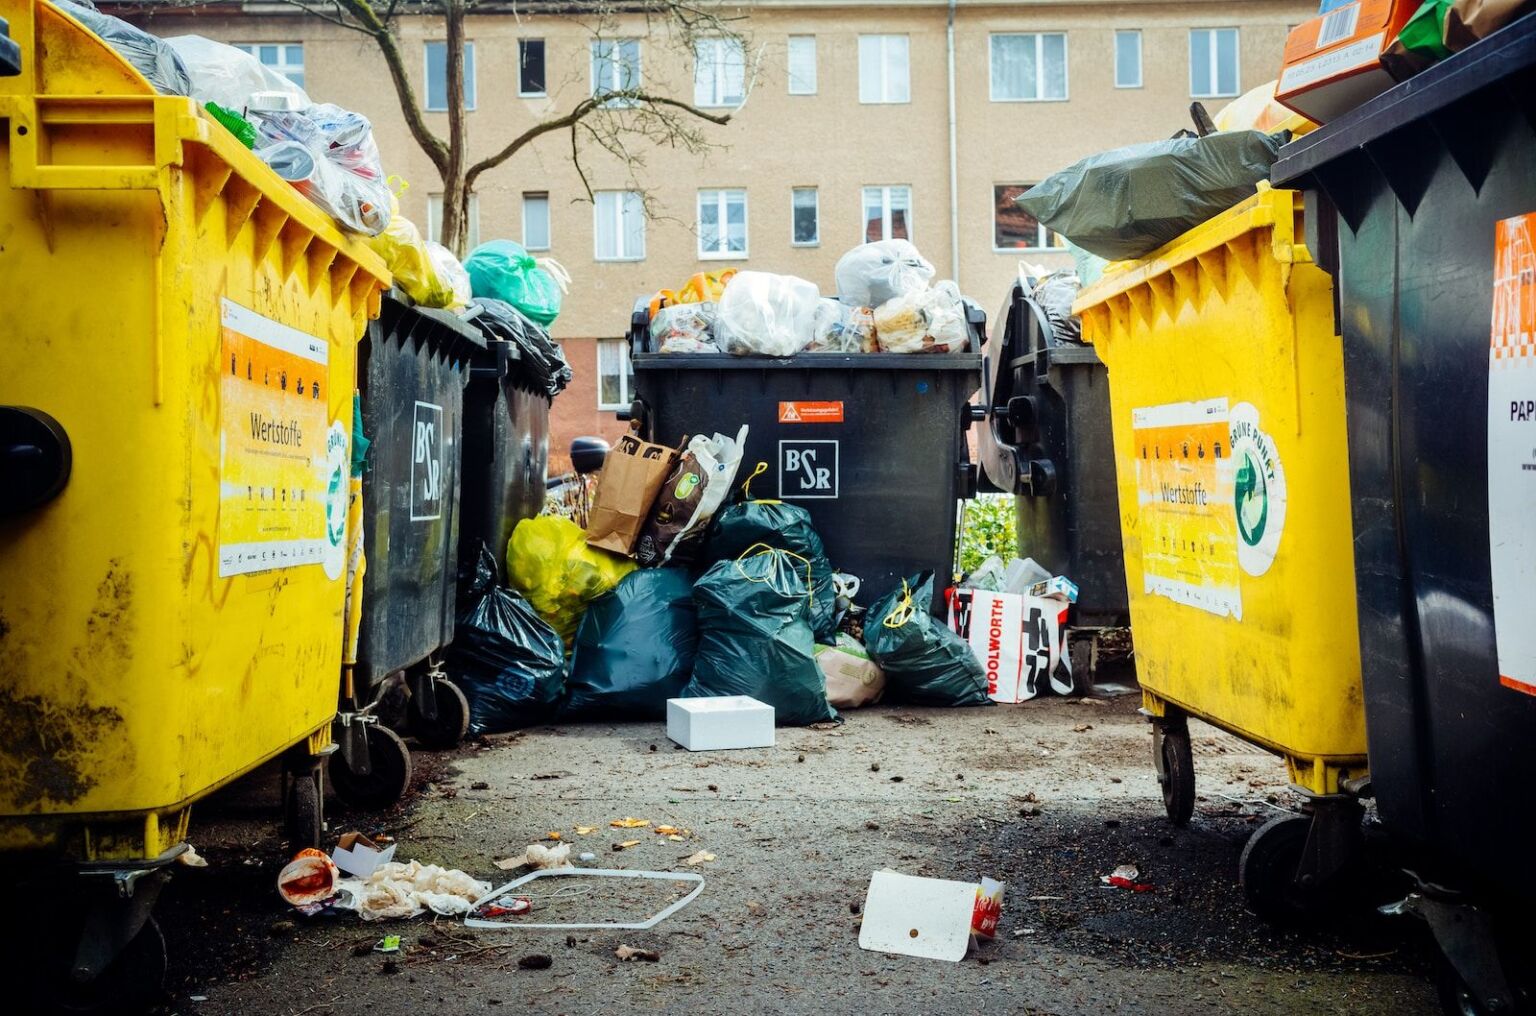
(176, 372)
(1422, 204)
(1226, 388)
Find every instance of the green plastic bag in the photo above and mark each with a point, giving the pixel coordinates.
(503, 270)
(233, 122)
(635, 648)
(787, 527)
(1424, 34)
(755, 637)
(925, 663)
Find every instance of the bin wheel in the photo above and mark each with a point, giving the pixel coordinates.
(451, 722)
(1178, 774)
(1267, 871)
(304, 810)
(390, 760)
(132, 982)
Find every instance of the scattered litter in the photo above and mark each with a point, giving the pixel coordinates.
(667, 830)
(1124, 877)
(1082, 728)
(387, 944)
(553, 835)
(539, 856)
(701, 857)
(197, 998)
(930, 918)
(308, 880)
(562, 773)
(673, 837)
(872, 825)
(630, 823)
(1021, 932)
(190, 858)
(588, 856)
(626, 844)
(404, 890)
(359, 856)
(477, 917)
(536, 961)
(1111, 689)
(724, 722)
(1042, 899)
(628, 953)
(585, 830)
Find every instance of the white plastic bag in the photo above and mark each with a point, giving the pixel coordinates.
(839, 328)
(343, 174)
(766, 314)
(874, 273)
(229, 76)
(923, 321)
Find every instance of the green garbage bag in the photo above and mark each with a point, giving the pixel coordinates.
(755, 637)
(503, 270)
(787, 527)
(925, 663)
(634, 649)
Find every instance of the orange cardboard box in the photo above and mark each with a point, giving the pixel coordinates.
(1333, 62)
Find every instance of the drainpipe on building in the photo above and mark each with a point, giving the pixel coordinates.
(954, 158)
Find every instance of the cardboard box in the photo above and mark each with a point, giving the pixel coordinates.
(931, 918)
(712, 724)
(1333, 62)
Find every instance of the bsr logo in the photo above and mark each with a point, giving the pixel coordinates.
(803, 462)
(426, 456)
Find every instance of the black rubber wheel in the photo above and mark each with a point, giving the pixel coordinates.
(132, 982)
(1178, 777)
(304, 810)
(386, 784)
(1268, 867)
(452, 721)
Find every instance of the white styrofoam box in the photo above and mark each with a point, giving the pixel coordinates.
(710, 724)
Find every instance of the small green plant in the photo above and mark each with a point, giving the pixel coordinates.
(987, 529)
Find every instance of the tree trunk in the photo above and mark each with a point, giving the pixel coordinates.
(455, 228)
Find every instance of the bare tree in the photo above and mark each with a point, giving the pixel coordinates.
(622, 122)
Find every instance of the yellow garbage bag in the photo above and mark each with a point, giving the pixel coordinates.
(421, 269)
(550, 563)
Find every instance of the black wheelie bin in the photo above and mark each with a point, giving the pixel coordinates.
(1425, 202)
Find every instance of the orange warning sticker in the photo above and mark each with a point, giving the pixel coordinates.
(810, 412)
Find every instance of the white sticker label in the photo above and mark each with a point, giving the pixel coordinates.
(1258, 494)
(1365, 53)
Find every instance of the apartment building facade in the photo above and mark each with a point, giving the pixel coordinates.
(841, 133)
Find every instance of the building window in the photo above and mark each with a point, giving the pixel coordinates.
(435, 219)
(1012, 227)
(1127, 59)
(615, 66)
(536, 220)
(802, 65)
(883, 69)
(287, 58)
(615, 377)
(1029, 68)
(722, 223)
(1213, 62)
(887, 213)
(618, 226)
(719, 72)
(530, 63)
(437, 76)
(806, 216)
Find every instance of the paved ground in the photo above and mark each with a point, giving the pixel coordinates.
(796, 831)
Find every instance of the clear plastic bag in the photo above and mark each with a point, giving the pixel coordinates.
(229, 76)
(452, 275)
(1055, 294)
(684, 328)
(924, 321)
(329, 155)
(147, 54)
(840, 328)
(874, 273)
(766, 314)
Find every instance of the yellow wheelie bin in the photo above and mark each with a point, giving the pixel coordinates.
(177, 346)
(1226, 387)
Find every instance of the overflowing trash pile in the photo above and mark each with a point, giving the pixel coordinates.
(887, 302)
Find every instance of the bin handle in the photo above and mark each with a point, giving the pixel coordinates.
(30, 117)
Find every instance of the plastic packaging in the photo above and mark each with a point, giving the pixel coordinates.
(451, 276)
(233, 122)
(841, 328)
(503, 270)
(784, 527)
(872, 273)
(542, 362)
(925, 663)
(407, 257)
(684, 328)
(1055, 294)
(853, 679)
(229, 76)
(923, 321)
(508, 661)
(755, 637)
(1254, 110)
(766, 314)
(329, 155)
(635, 648)
(689, 499)
(549, 562)
(147, 54)
(701, 287)
(1127, 202)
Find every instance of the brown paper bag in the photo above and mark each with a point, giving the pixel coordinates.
(1470, 20)
(626, 488)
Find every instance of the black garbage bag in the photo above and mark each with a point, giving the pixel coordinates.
(925, 663)
(1055, 294)
(1127, 202)
(508, 661)
(786, 527)
(634, 649)
(755, 638)
(543, 363)
(150, 55)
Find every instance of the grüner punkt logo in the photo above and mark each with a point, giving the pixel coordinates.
(1259, 496)
(337, 467)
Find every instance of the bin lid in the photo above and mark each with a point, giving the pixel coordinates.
(861, 362)
(444, 332)
(1494, 73)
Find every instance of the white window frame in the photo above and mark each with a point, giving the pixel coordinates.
(1215, 64)
(1140, 73)
(471, 89)
(592, 67)
(718, 67)
(282, 66)
(532, 95)
(885, 84)
(549, 221)
(1039, 37)
(790, 65)
(885, 210)
(597, 211)
(1042, 231)
(626, 395)
(815, 193)
(722, 197)
(435, 219)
